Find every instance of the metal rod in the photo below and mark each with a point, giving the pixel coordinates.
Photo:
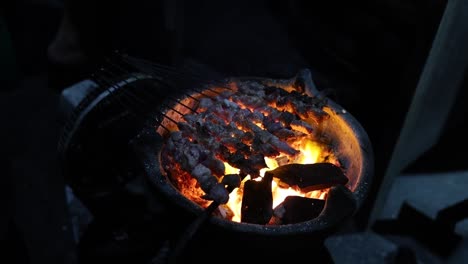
(188, 95)
(127, 91)
(173, 109)
(175, 122)
(143, 102)
(184, 105)
(138, 78)
(161, 125)
(213, 91)
(112, 88)
(193, 89)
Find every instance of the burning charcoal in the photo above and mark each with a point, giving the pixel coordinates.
(264, 135)
(234, 144)
(286, 118)
(247, 137)
(308, 107)
(317, 102)
(224, 211)
(257, 202)
(284, 134)
(282, 146)
(302, 126)
(226, 94)
(264, 110)
(254, 173)
(215, 118)
(296, 95)
(191, 119)
(282, 160)
(274, 220)
(215, 165)
(272, 125)
(241, 119)
(251, 88)
(213, 129)
(224, 153)
(269, 112)
(296, 209)
(203, 176)
(218, 194)
(235, 132)
(170, 144)
(232, 181)
(270, 98)
(319, 116)
(263, 148)
(229, 105)
(282, 101)
(257, 161)
(209, 143)
(256, 117)
(209, 184)
(227, 112)
(219, 115)
(186, 128)
(193, 155)
(249, 101)
(205, 103)
(270, 89)
(270, 145)
(236, 159)
(242, 128)
(309, 177)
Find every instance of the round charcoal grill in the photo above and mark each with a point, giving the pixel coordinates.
(351, 145)
(99, 163)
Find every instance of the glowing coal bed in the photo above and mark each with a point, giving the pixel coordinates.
(260, 151)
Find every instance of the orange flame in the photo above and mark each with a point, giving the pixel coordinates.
(310, 152)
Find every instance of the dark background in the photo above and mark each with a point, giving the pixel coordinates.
(368, 54)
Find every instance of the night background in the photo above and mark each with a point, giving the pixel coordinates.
(367, 56)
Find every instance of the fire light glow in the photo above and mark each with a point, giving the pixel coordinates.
(310, 152)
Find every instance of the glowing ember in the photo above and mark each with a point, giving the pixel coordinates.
(310, 153)
(244, 132)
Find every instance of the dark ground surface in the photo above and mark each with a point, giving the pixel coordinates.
(243, 39)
